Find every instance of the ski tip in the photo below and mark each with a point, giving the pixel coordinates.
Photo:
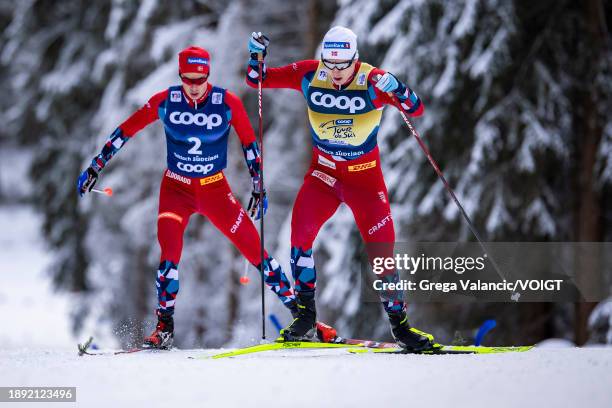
(83, 347)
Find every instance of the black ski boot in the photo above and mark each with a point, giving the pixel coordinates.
(409, 338)
(304, 325)
(163, 335)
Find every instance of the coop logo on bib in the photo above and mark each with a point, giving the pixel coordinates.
(195, 168)
(342, 102)
(199, 119)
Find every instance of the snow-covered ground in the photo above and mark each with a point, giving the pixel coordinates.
(547, 377)
(33, 315)
(36, 349)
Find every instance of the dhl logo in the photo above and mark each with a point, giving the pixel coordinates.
(211, 179)
(362, 166)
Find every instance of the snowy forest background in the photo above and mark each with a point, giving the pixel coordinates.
(518, 100)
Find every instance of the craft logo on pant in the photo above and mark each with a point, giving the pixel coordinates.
(238, 221)
(362, 166)
(379, 224)
(195, 168)
(327, 179)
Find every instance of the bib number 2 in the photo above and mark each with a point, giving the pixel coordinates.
(196, 145)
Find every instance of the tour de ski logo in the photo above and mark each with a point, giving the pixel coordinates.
(338, 129)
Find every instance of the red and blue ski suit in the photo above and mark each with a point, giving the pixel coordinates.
(194, 182)
(345, 166)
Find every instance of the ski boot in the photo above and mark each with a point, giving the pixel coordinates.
(325, 332)
(409, 338)
(303, 327)
(163, 335)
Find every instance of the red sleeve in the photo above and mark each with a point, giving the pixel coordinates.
(143, 116)
(290, 76)
(240, 120)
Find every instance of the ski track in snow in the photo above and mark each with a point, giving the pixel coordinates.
(547, 377)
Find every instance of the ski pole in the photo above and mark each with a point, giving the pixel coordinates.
(261, 196)
(515, 295)
(107, 191)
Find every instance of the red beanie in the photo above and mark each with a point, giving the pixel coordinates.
(194, 59)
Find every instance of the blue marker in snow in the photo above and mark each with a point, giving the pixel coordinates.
(487, 326)
(275, 321)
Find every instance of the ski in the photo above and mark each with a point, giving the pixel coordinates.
(365, 343)
(284, 345)
(443, 349)
(83, 350)
(336, 342)
(356, 346)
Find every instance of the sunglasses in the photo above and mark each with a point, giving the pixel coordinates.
(194, 81)
(340, 66)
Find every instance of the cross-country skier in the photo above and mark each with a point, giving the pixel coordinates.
(345, 99)
(197, 117)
